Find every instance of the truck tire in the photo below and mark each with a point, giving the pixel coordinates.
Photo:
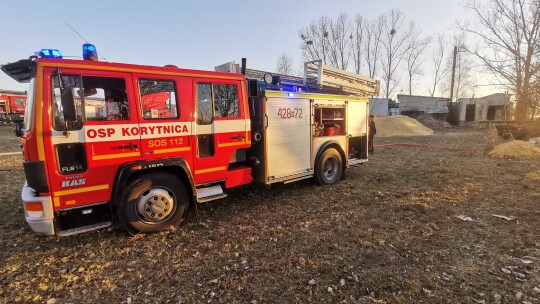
(152, 203)
(329, 169)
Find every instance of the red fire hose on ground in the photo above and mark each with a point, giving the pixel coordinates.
(427, 146)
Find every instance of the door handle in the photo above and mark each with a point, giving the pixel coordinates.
(239, 137)
(130, 146)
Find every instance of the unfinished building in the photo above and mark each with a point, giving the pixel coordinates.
(492, 107)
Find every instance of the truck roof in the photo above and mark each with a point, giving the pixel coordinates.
(12, 93)
(22, 70)
(134, 68)
(310, 95)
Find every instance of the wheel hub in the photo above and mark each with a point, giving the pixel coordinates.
(330, 168)
(155, 205)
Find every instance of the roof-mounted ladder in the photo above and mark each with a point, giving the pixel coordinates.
(317, 78)
(327, 77)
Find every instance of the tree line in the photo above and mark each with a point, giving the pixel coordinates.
(501, 40)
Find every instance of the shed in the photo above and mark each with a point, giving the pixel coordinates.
(379, 106)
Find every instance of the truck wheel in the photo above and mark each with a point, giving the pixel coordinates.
(152, 203)
(330, 167)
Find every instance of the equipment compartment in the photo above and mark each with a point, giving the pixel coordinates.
(329, 121)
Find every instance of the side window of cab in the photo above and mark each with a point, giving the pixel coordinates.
(216, 101)
(74, 83)
(158, 99)
(96, 99)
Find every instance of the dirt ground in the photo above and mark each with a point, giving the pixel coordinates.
(414, 225)
(8, 141)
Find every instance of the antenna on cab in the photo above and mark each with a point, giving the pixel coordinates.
(86, 41)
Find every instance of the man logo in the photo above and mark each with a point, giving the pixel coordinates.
(73, 182)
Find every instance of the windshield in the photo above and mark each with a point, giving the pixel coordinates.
(29, 109)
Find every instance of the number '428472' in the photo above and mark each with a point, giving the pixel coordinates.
(286, 113)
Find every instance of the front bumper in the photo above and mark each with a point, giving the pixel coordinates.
(39, 222)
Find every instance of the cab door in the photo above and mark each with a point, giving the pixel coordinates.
(106, 135)
(219, 127)
(165, 117)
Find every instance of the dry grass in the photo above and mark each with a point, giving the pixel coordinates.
(390, 231)
(8, 141)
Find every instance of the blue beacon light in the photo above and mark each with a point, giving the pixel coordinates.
(50, 54)
(89, 52)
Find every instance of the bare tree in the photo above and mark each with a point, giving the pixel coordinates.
(396, 42)
(357, 40)
(413, 57)
(508, 35)
(372, 44)
(315, 41)
(329, 40)
(535, 98)
(441, 65)
(285, 65)
(340, 35)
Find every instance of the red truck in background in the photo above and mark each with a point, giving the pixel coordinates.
(12, 104)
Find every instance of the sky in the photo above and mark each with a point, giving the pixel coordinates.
(189, 34)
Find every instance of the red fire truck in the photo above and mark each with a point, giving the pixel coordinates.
(143, 144)
(12, 105)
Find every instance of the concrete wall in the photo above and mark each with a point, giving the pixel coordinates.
(425, 104)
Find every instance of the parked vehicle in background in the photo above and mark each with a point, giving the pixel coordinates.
(12, 104)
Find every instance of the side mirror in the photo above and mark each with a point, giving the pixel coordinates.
(18, 128)
(68, 105)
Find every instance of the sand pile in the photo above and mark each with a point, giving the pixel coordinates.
(515, 148)
(535, 141)
(400, 125)
(433, 123)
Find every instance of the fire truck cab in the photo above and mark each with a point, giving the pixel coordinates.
(142, 144)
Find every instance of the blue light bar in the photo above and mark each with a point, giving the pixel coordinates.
(89, 52)
(50, 54)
